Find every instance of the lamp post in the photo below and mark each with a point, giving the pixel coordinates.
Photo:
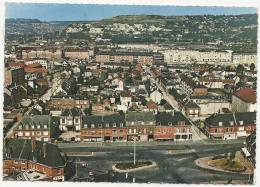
(134, 150)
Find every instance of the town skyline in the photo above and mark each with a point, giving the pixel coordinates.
(91, 12)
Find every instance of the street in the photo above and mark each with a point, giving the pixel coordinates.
(56, 82)
(196, 133)
(171, 168)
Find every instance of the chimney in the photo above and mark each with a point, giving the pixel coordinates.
(44, 147)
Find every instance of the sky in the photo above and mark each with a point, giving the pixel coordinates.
(88, 12)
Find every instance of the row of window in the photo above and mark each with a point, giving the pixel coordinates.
(33, 126)
(107, 125)
(64, 120)
(37, 133)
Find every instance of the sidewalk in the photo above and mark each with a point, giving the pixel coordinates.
(152, 143)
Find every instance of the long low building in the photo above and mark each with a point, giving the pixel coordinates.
(21, 154)
(142, 126)
(129, 56)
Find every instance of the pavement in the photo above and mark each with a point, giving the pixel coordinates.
(150, 144)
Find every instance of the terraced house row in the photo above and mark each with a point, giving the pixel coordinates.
(144, 126)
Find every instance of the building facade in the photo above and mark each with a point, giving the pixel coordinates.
(230, 125)
(21, 154)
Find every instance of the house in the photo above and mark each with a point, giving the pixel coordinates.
(107, 128)
(126, 99)
(244, 100)
(192, 109)
(191, 87)
(156, 96)
(23, 154)
(210, 104)
(140, 125)
(172, 126)
(230, 125)
(151, 106)
(37, 127)
(71, 119)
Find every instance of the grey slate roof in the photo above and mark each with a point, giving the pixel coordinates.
(191, 104)
(109, 120)
(72, 112)
(35, 120)
(140, 116)
(21, 149)
(248, 118)
(164, 118)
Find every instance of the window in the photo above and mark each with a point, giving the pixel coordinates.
(27, 133)
(85, 126)
(32, 126)
(170, 123)
(216, 130)
(241, 122)
(159, 123)
(231, 123)
(38, 126)
(76, 120)
(20, 133)
(45, 126)
(107, 125)
(114, 124)
(121, 124)
(45, 133)
(92, 125)
(39, 133)
(99, 125)
(63, 121)
(20, 127)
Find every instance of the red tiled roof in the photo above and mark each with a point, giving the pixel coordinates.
(42, 82)
(246, 94)
(151, 105)
(125, 94)
(36, 70)
(16, 64)
(34, 65)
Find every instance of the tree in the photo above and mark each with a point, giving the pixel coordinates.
(88, 111)
(240, 70)
(252, 66)
(143, 101)
(163, 102)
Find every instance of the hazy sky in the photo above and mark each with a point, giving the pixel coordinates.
(72, 12)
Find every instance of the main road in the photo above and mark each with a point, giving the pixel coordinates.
(174, 164)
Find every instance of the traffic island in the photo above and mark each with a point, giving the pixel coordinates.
(126, 167)
(224, 163)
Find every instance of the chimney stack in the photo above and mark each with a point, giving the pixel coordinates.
(44, 146)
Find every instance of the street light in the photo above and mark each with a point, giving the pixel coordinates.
(134, 150)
